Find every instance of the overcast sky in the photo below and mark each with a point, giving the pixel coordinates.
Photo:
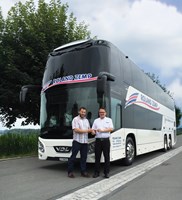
(148, 31)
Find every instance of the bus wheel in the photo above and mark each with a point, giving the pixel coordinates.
(165, 144)
(130, 152)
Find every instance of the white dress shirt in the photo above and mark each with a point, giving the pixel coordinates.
(102, 124)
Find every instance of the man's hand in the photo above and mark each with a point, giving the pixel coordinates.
(90, 130)
(93, 132)
(104, 130)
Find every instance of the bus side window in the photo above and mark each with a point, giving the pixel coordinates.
(116, 109)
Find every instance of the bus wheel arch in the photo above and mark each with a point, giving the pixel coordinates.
(130, 150)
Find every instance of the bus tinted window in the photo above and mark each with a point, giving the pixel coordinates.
(139, 81)
(127, 73)
(116, 113)
(89, 60)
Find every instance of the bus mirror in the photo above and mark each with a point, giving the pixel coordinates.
(103, 77)
(101, 85)
(26, 89)
(110, 77)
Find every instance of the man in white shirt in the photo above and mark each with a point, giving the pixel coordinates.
(103, 126)
(81, 128)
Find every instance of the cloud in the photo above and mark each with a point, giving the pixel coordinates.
(176, 87)
(148, 31)
(6, 5)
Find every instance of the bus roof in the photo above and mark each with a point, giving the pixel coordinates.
(71, 44)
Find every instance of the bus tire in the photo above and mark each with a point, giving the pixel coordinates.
(170, 143)
(165, 144)
(130, 151)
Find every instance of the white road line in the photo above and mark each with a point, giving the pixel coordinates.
(106, 186)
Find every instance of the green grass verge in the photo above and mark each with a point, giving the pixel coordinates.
(18, 144)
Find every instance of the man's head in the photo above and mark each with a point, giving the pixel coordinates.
(82, 112)
(102, 113)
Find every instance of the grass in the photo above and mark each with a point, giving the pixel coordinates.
(18, 144)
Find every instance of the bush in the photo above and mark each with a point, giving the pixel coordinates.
(16, 144)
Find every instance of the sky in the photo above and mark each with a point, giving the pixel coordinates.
(148, 31)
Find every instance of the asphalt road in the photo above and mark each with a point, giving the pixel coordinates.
(162, 183)
(32, 179)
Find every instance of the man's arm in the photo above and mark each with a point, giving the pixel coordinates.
(78, 130)
(105, 130)
(110, 129)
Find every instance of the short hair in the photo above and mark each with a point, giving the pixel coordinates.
(82, 108)
(102, 108)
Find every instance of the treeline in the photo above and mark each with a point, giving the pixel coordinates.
(20, 131)
(18, 143)
(179, 131)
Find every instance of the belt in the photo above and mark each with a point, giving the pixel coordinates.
(102, 139)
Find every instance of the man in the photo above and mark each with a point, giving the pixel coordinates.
(103, 126)
(81, 128)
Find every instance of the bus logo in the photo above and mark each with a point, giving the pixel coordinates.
(140, 99)
(62, 149)
(132, 99)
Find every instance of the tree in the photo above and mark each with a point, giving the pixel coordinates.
(178, 116)
(27, 36)
(177, 109)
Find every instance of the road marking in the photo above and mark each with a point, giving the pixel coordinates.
(106, 186)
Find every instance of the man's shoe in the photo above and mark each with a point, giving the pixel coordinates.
(71, 175)
(96, 175)
(106, 176)
(85, 174)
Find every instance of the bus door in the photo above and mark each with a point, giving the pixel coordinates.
(116, 136)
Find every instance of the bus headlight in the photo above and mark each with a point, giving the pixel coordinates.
(91, 148)
(41, 146)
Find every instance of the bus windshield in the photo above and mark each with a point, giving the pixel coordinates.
(60, 104)
(89, 60)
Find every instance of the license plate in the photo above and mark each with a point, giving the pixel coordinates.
(63, 159)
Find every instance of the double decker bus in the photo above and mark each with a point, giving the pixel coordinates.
(94, 74)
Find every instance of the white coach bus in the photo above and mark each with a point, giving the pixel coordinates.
(93, 74)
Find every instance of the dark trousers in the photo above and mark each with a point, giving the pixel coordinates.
(76, 147)
(102, 145)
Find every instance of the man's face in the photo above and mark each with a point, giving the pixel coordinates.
(102, 113)
(82, 113)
